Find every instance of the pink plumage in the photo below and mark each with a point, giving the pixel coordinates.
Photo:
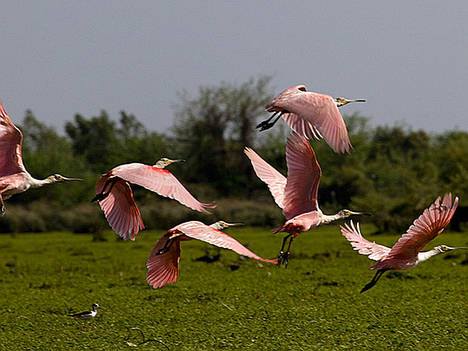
(360, 244)
(14, 178)
(406, 253)
(119, 207)
(11, 140)
(313, 115)
(297, 194)
(163, 267)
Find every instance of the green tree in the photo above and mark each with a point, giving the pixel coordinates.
(213, 128)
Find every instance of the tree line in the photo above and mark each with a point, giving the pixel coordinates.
(393, 172)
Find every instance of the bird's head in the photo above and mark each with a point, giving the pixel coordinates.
(346, 213)
(221, 225)
(57, 178)
(95, 306)
(341, 101)
(445, 248)
(165, 162)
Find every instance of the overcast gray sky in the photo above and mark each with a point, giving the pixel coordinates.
(409, 59)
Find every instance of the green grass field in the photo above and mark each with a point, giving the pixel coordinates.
(314, 304)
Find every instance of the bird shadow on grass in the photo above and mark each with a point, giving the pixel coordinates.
(399, 276)
(81, 252)
(210, 255)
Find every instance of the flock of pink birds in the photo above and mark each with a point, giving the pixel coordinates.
(310, 116)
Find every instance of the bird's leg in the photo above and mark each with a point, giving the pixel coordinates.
(103, 194)
(281, 254)
(166, 247)
(374, 280)
(286, 259)
(267, 124)
(283, 257)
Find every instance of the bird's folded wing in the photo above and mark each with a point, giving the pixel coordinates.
(425, 228)
(119, 208)
(163, 268)
(300, 194)
(160, 181)
(319, 113)
(360, 244)
(11, 140)
(200, 231)
(275, 180)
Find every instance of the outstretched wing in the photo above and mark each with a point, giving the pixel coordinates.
(275, 180)
(360, 244)
(300, 194)
(11, 140)
(163, 268)
(425, 228)
(203, 232)
(160, 181)
(119, 208)
(313, 116)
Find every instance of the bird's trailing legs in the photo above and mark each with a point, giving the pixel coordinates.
(101, 196)
(374, 280)
(283, 257)
(267, 124)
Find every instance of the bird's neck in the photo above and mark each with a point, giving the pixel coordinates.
(424, 256)
(37, 183)
(330, 218)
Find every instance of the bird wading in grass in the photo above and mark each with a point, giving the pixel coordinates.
(115, 197)
(87, 314)
(163, 263)
(297, 194)
(406, 253)
(14, 178)
(311, 115)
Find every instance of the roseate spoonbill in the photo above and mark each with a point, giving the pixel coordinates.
(14, 178)
(87, 314)
(114, 194)
(163, 263)
(296, 195)
(406, 253)
(311, 115)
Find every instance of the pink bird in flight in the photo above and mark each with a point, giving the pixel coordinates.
(311, 115)
(297, 194)
(406, 253)
(163, 263)
(115, 197)
(14, 178)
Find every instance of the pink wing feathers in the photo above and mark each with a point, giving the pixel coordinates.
(425, 228)
(163, 269)
(120, 209)
(200, 231)
(360, 244)
(313, 116)
(160, 181)
(11, 139)
(300, 195)
(275, 180)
